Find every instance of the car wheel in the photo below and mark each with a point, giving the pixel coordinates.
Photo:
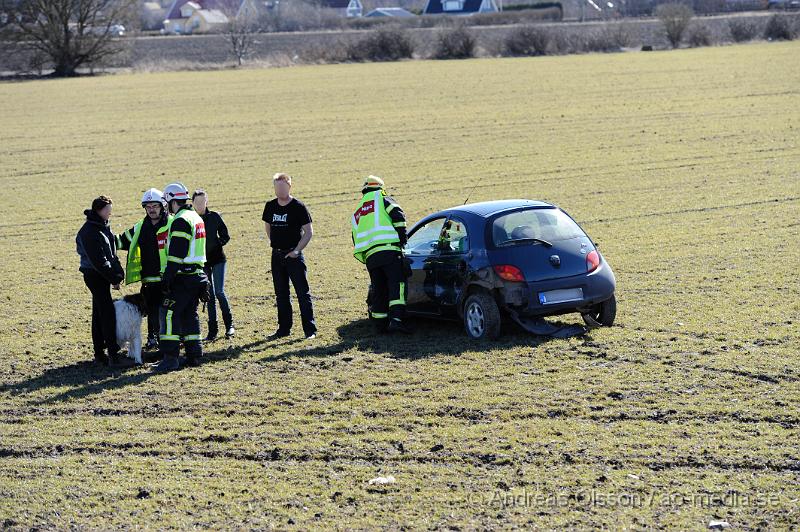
(602, 314)
(481, 316)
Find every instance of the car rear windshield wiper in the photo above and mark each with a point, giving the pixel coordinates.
(524, 240)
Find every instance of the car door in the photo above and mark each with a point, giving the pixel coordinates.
(421, 250)
(451, 263)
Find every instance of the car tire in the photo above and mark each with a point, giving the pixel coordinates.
(481, 317)
(602, 314)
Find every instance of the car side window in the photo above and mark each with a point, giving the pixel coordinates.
(454, 237)
(425, 240)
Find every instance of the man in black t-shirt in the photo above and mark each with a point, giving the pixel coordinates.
(287, 223)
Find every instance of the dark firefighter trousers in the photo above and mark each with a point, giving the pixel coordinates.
(178, 316)
(388, 280)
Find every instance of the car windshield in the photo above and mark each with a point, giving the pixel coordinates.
(534, 225)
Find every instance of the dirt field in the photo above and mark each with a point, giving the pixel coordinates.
(682, 165)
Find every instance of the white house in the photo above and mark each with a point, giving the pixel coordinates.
(204, 16)
(345, 8)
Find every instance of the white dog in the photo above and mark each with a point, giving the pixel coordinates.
(130, 310)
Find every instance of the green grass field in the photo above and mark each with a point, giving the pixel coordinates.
(684, 166)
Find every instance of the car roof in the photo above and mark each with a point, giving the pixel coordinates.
(488, 208)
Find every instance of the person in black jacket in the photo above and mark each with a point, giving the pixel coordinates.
(101, 270)
(216, 265)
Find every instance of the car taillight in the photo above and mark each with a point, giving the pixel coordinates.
(592, 260)
(509, 273)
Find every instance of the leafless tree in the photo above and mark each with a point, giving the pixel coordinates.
(242, 31)
(676, 18)
(72, 33)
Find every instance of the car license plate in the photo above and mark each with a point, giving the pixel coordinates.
(560, 296)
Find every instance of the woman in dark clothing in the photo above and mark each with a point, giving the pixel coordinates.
(101, 270)
(216, 263)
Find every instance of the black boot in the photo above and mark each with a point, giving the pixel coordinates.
(278, 334)
(169, 363)
(230, 330)
(194, 352)
(192, 361)
(212, 332)
(381, 325)
(397, 326)
(115, 360)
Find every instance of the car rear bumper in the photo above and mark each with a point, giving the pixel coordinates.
(595, 287)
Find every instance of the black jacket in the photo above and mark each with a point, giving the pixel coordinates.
(216, 237)
(398, 218)
(97, 248)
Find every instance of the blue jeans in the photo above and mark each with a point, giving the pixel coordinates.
(216, 277)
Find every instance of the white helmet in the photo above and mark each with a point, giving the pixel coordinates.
(152, 195)
(176, 191)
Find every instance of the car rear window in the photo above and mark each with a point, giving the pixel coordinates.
(547, 224)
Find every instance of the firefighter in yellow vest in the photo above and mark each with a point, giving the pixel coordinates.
(183, 282)
(146, 244)
(379, 234)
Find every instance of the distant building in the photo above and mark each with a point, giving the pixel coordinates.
(390, 12)
(205, 21)
(460, 7)
(206, 16)
(344, 8)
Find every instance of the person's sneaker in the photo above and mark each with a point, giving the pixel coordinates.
(102, 358)
(169, 363)
(397, 326)
(230, 333)
(311, 336)
(278, 334)
(152, 344)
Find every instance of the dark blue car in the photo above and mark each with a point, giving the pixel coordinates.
(522, 258)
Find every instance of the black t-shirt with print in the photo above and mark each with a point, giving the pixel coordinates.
(285, 222)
